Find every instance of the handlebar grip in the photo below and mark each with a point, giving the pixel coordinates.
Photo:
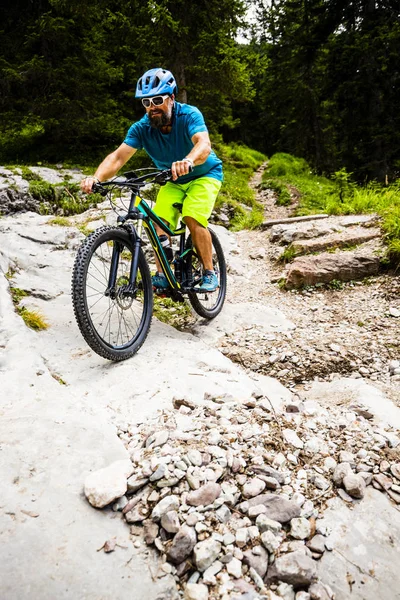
(97, 188)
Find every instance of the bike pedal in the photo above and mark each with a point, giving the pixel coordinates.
(160, 293)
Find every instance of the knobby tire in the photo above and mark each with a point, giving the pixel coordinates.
(136, 334)
(209, 305)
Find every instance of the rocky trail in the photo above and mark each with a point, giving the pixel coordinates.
(256, 456)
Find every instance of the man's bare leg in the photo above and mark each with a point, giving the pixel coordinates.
(202, 241)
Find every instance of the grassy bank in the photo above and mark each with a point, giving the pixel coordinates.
(338, 195)
(240, 162)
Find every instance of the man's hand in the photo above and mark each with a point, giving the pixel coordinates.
(181, 167)
(87, 184)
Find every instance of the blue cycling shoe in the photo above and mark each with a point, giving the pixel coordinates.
(159, 281)
(210, 282)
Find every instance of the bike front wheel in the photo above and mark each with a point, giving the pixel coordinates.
(209, 304)
(114, 321)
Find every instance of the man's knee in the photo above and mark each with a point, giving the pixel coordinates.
(192, 223)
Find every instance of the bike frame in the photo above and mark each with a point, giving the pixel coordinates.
(141, 212)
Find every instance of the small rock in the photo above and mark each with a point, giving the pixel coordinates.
(165, 505)
(195, 457)
(346, 457)
(205, 495)
(234, 568)
(205, 553)
(139, 513)
(277, 508)
(134, 483)
(265, 524)
(384, 481)
(182, 545)
(295, 568)
(106, 485)
(292, 438)
(354, 485)
(252, 488)
(170, 521)
(150, 531)
(258, 562)
(157, 439)
(254, 511)
(229, 538)
(317, 544)
(340, 472)
(223, 514)
(159, 473)
(321, 483)
(242, 536)
(196, 591)
(300, 528)
(120, 504)
(285, 591)
(270, 541)
(318, 591)
(329, 463)
(210, 573)
(395, 470)
(256, 578)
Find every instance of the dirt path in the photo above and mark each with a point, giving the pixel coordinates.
(348, 331)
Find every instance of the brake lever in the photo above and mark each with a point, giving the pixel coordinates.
(163, 177)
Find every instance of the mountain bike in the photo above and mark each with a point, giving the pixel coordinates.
(112, 291)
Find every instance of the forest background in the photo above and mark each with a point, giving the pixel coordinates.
(316, 78)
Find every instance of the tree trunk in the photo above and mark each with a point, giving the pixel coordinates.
(179, 73)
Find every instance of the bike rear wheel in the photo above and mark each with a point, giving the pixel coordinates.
(114, 323)
(207, 305)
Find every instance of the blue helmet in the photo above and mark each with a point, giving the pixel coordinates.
(154, 82)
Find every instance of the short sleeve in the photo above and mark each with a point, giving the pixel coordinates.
(134, 136)
(196, 123)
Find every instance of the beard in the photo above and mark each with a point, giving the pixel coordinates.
(160, 120)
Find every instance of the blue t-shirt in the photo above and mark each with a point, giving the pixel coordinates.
(166, 148)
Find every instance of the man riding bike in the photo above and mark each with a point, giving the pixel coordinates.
(175, 136)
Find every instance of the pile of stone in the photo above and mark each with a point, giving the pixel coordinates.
(231, 495)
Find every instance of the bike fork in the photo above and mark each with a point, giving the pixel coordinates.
(117, 248)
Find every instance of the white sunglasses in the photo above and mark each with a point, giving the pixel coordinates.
(156, 100)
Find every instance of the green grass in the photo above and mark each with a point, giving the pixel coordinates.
(65, 198)
(338, 196)
(177, 314)
(239, 163)
(32, 318)
(281, 189)
(60, 221)
(287, 255)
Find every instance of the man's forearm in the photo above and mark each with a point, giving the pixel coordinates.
(200, 152)
(109, 167)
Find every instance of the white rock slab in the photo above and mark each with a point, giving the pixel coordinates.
(365, 540)
(235, 317)
(347, 390)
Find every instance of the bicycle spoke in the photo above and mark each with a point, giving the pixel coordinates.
(117, 316)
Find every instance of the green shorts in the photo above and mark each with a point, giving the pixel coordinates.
(198, 199)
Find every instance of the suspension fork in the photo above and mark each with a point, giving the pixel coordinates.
(117, 247)
(135, 237)
(110, 291)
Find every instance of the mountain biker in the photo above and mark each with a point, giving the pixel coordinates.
(176, 133)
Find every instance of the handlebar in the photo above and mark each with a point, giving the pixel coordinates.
(131, 179)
